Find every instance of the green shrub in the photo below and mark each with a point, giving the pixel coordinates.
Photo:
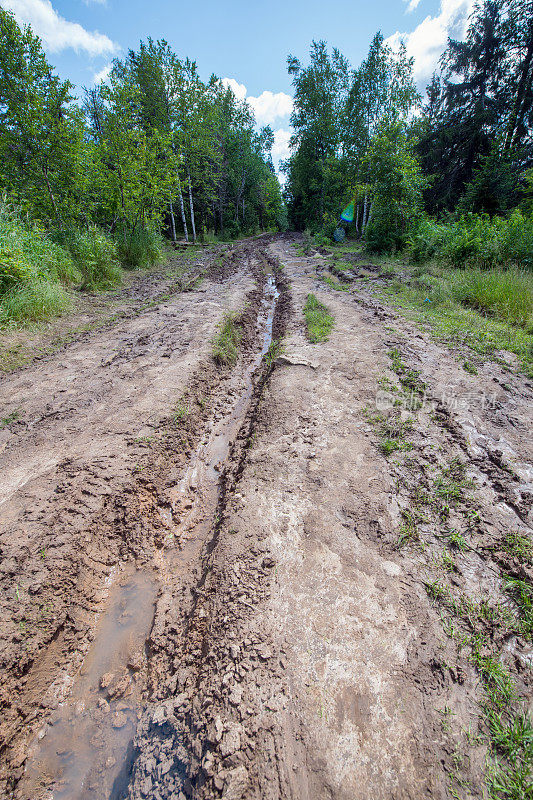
(27, 252)
(385, 235)
(139, 248)
(475, 240)
(35, 300)
(426, 240)
(32, 270)
(14, 268)
(96, 258)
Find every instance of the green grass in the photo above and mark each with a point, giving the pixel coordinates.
(451, 483)
(226, 344)
(96, 258)
(522, 594)
(334, 283)
(318, 320)
(509, 773)
(140, 247)
(34, 301)
(518, 545)
(504, 294)
(5, 421)
(180, 412)
(409, 378)
(455, 324)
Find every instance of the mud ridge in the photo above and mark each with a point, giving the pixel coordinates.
(177, 732)
(129, 529)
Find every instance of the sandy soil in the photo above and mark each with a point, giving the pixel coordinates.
(203, 593)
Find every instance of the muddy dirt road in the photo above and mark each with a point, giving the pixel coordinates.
(238, 581)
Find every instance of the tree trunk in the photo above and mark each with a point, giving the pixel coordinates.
(193, 223)
(365, 214)
(182, 209)
(521, 95)
(172, 222)
(357, 218)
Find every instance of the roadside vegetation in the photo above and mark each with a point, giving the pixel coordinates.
(95, 187)
(483, 313)
(438, 189)
(318, 320)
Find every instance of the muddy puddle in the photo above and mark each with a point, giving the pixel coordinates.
(83, 751)
(86, 750)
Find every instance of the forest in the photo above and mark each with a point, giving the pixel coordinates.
(154, 154)
(94, 186)
(450, 175)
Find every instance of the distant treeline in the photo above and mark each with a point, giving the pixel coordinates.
(152, 144)
(364, 134)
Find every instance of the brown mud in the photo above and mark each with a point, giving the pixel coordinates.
(203, 592)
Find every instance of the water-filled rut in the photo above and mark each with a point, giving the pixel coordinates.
(85, 749)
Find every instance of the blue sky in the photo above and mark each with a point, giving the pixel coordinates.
(245, 42)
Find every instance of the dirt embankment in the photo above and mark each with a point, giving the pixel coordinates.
(224, 573)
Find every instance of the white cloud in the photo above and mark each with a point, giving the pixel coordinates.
(56, 32)
(411, 7)
(280, 148)
(428, 40)
(103, 74)
(268, 107)
(238, 89)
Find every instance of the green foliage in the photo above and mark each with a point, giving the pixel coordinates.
(337, 111)
(138, 248)
(318, 320)
(397, 185)
(95, 256)
(507, 294)
(151, 142)
(27, 252)
(476, 130)
(225, 346)
(475, 240)
(34, 301)
(41, 131)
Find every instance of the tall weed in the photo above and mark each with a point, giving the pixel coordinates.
(138, 248)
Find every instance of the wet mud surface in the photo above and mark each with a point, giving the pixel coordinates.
(203, 594)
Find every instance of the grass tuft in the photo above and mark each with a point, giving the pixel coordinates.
(226, 343)
(318, 320)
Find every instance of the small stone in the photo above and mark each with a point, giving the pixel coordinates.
(235, 697)
(231, 740)
(119, 719)
(264, 652)
(103, 705)
(236, 783)
(159, 715)
(106, 680)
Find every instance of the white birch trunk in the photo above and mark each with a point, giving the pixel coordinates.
(365, 214)
(193, 223)
(172, 222)
(182, 209)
